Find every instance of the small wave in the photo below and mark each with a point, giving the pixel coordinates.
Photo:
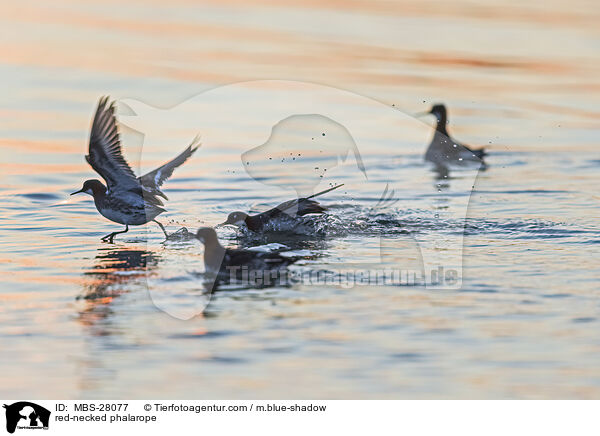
(359, 221)
(41, 196)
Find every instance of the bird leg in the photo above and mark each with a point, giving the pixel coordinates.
(111, 236)
(162, 228)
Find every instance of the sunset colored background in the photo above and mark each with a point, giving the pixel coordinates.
(77, 317)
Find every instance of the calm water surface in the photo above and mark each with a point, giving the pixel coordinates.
(83, 319)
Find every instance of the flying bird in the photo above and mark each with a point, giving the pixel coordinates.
(125, 199)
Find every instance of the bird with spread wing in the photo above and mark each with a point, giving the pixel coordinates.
(125, 199)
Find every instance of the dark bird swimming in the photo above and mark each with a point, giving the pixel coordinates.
(443, 149)
(126, 199)
(286, 214)
(228, 262)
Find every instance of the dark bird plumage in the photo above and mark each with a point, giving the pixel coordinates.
(126, 199)
(443, 149)
(289, 210)
(228, 261)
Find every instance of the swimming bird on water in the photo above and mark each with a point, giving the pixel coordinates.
(286, 213)
(443, 149)
(126, 199)
(227, 261)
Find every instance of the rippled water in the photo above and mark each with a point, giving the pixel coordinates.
(80, 318)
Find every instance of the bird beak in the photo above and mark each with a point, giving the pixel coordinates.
(421, 114)
(77, 192)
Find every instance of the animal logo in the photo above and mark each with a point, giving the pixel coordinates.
(26, 415)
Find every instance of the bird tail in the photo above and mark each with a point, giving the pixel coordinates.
(480, 153)
(306, 207)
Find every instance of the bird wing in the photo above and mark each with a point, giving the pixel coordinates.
(479, 152)
(154, 179)
(105, 155)
(300, 207)
(469, 151)
(238, 256)
(303, 206)
(289, 206)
